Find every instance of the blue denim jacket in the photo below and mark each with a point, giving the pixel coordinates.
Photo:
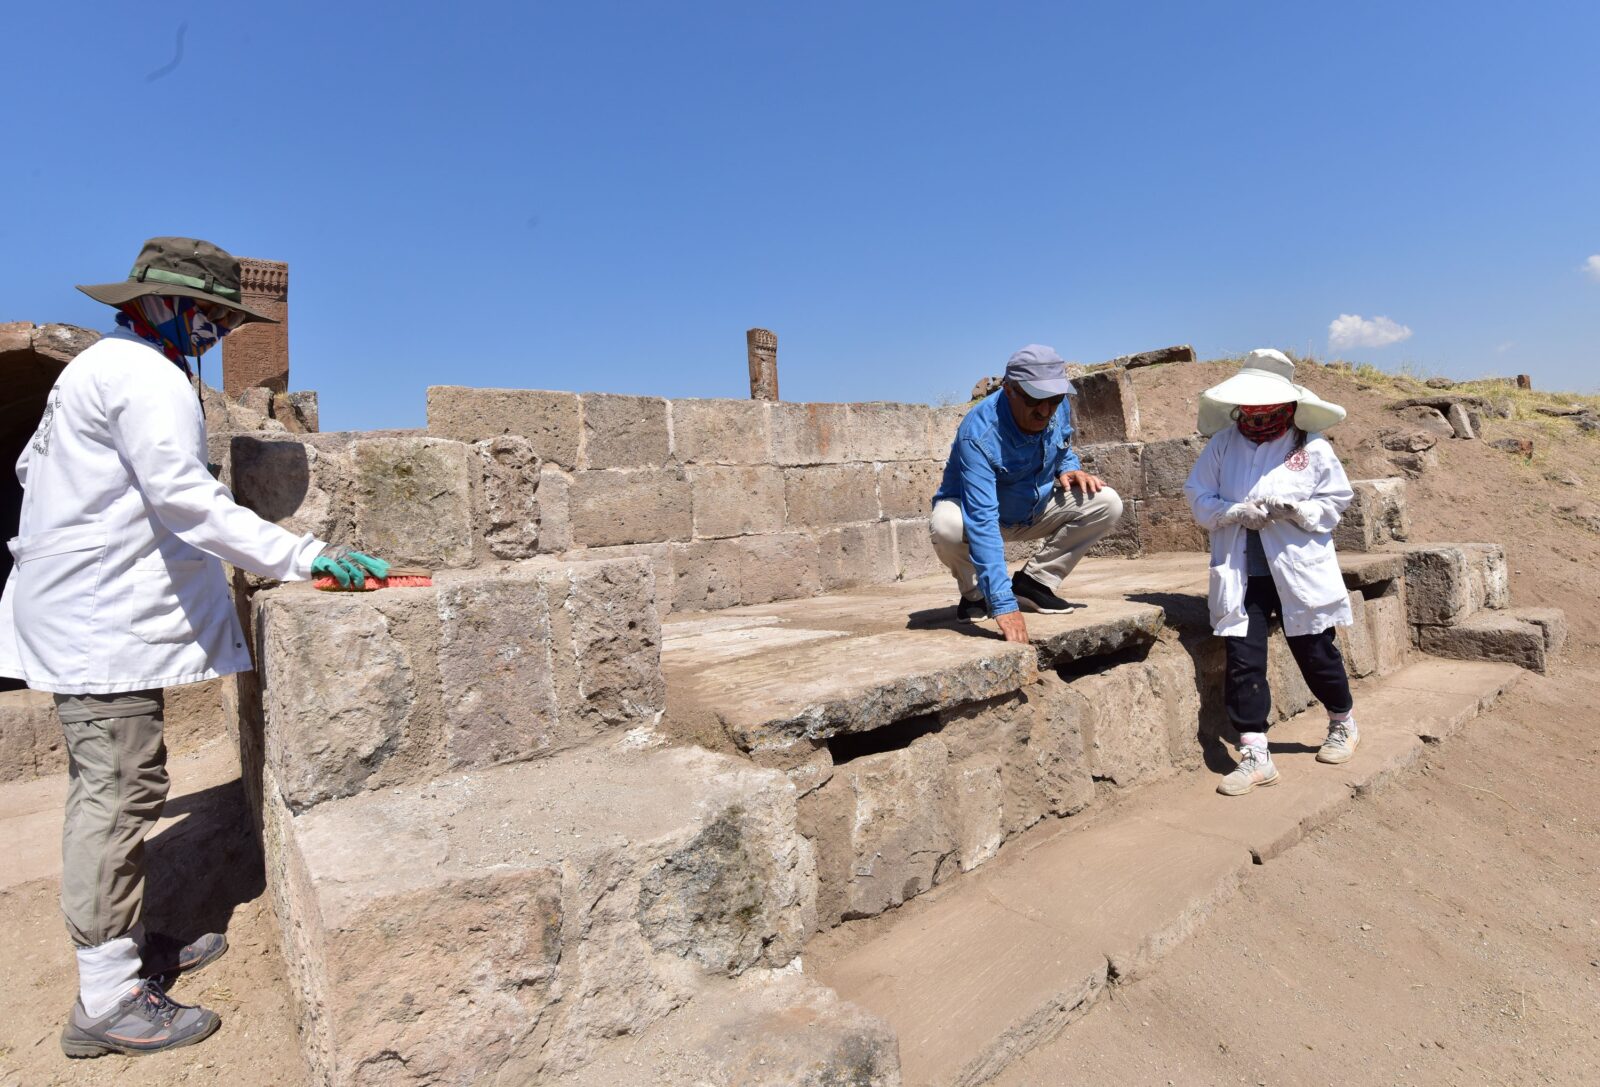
(1001, 476)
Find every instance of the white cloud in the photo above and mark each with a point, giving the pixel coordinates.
(1592, 267)
(1351, 330)
(1506, 346)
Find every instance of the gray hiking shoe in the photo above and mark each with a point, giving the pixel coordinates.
(166, 957)
(147, 1020)
(1255, 768)
(1343, 736)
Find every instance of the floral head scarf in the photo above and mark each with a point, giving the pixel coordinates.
(177, 325)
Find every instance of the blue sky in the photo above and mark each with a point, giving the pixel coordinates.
(604, 196)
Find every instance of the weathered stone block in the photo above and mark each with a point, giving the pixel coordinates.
(942, 426)
(555, 509)
(830, 494)
(1438, 585)
(706, 575)
(1356, 642)
(1290, 692)
(1167, 465)
(1552, 622)
(587, 895)
(552, 421)
(1106, 408)
(1488, 576)
(1361, 523)
(1125, 725)
(980, 795)
(1391, 493)
(293, 483)
(1460, 423)
(1123, 541)
(781, 566)
(736, 500)
(1057, 749)
(1391, 635)
(913, 548)
(887, 432)
(903, 833)
(626, 506)
(856, 555)
(1166, 524)
(495, 669)
(509, 475)
(825, 817)
(341, 691)
(720, 431)
(1120, 464)
(808, 433)
(1006, 728)
(906, 488)
(1172, 676)
(605, 636)
(1489, 636)
(31, 741)
(624, 431)
(785, 1031)
(413, 500)
(199, 712)
(660, 557)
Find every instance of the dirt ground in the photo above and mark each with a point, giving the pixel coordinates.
(1443, 932)
(1446, 931)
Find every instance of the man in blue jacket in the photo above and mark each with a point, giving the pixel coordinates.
(1013, 475)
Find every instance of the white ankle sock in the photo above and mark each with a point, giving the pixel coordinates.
(1254, 739)
(106, 973)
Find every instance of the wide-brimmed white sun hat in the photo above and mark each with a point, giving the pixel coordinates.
(1267, 377)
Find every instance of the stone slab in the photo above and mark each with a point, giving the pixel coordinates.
(1106, 407)
(587, 896)
(31, 741)
(720, 431)
(808, 433)
(1489, 636)
(975, 973)
(885, 431)
(631, 506)
(624, 431)
(767, 1031)
(552, 421)
(827, 688)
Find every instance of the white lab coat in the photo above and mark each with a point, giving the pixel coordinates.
(118, 583)
(1304, 566)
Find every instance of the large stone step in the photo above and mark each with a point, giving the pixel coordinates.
(978, 972)
(504, 924)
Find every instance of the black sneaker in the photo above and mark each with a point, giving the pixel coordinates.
(165, 957)
(970, 611)
(147, 1020)
(1032, 596)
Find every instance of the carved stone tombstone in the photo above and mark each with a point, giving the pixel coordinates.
(762, 347)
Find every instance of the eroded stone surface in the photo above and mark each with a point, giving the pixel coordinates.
(570, 883)
(550, 420)
(904, 828)
(31, 741)
(510, 473)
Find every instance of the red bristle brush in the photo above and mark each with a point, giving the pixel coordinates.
(397, 579)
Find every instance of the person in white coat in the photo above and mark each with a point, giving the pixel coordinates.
(1270, 490)
(118, 591)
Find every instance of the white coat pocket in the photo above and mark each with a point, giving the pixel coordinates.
(56, 580)
(164, 592)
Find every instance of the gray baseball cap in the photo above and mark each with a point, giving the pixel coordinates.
(1040, 372)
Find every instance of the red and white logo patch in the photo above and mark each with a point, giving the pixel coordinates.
(1297, 460)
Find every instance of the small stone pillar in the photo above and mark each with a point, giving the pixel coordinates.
(257, 355)
(762, 347)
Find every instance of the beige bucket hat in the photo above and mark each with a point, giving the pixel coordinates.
(1267, 377)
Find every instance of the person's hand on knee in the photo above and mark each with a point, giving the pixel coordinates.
(1083, 481)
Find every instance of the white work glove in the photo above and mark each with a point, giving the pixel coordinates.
(1283, 509)
(1251, 515)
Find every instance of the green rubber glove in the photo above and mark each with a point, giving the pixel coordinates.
(348, 566)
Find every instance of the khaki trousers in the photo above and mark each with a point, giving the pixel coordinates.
(1072, 523)
(117, 788)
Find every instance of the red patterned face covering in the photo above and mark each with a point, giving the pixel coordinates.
(1264, 422)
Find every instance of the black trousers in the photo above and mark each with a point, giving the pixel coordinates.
(1248, 697)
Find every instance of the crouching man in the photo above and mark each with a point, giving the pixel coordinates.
(1013, 475)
